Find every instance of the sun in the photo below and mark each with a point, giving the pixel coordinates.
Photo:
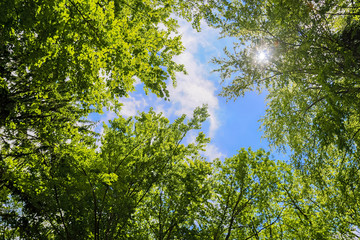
(262, 55)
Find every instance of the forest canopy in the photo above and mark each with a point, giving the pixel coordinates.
(61, 60)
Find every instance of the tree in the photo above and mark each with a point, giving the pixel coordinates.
(174, 207)
(61, 60)
(246, 197)
(104, 194)
(306, 55)
(255, 197)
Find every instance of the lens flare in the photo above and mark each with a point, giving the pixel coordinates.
(262, 56)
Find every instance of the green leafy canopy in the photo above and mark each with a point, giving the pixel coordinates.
(139, 179)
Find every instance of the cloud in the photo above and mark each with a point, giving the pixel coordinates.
(212, 152)
(192, 90)
(196, 88)
(132, 104)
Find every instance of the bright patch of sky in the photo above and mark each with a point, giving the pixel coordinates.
(231, 125)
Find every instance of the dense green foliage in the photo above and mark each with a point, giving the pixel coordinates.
(305, 54)
(310, 68)
(78, 192)
(61, 60)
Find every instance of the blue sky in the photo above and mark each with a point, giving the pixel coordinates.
(231, 125)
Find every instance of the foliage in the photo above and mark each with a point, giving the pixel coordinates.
(79, 192)
(61, 60)
(243, 186)
(310, 70)
(255, 197)
(305, 55)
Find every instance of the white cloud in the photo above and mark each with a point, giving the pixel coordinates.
(132, 104)
(192, 90)
(195, 89)
(212, 152)
(192, 39)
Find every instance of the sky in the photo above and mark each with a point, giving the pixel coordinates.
(232, 125)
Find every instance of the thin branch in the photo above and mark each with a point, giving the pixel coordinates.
(87, 21)
(269, 225)
(60, 211)
(296, 205)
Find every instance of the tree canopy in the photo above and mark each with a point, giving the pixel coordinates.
(61, 60)
(139, 179)
(305, 55)
(309, 66)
